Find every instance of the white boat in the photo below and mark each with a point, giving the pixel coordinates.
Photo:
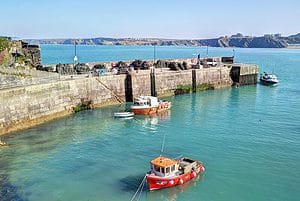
(166, 172)
(268, 79)
(123, 114)
(3, 143)
(149, 105)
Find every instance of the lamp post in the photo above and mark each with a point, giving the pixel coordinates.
(75, 55)
(154, 54)
(207, 51)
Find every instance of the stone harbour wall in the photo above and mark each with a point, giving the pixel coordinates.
(167, 83)
(24, 107)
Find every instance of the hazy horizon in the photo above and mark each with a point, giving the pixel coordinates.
(77, 38)
(192, 19)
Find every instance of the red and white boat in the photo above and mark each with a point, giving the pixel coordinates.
(166, 172)
(149, 105)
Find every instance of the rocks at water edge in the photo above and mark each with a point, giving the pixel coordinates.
(65, 69)
(175, 66)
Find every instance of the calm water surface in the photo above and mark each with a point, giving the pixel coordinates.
(247, 137)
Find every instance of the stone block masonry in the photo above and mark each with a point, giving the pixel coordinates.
(24, 107)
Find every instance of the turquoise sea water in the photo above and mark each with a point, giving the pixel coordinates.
(53, 54)
(247, 137)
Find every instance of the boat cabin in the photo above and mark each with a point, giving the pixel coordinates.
(164, 167)
(146, 101)
(187, 165)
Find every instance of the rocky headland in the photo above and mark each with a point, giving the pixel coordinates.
(237, 40)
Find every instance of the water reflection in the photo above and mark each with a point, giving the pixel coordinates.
(152, 121)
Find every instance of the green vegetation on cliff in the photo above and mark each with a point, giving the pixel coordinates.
(4, 43)
(4, 54)
(17, 53)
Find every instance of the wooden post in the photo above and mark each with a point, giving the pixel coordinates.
(128, 88)
(152, 82)
(194, 81)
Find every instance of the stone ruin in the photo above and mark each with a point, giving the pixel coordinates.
(19, 53)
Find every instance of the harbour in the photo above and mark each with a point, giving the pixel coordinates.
(63, 94)
(246, 136)
(149, 101)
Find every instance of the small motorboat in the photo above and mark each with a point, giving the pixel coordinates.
(149, 105)
(123, 114)
(166, 172)
(3, 143)
(268, 79)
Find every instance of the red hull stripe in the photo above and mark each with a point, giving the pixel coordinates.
(156, 182)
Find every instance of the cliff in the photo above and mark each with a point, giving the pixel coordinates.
(237, 40)
(294, 39)
(18, 53)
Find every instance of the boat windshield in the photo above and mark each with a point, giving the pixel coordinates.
(141, 102)
(156, 168)
(165, 170)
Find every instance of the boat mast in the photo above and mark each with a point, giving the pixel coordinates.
(163, 144)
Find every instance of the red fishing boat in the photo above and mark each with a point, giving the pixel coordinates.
(149, 105)
(166, 172)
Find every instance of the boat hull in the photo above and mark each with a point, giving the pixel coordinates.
(268, 82)
(164, 106)
(151, 110)
(144, 111)
(123, 114)
(156, 182)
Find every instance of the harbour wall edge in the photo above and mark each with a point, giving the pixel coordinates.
(25, 107)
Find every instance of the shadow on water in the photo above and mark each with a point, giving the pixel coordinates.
(8, 192)
(131, 183)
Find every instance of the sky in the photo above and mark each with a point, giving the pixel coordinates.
(172, 19)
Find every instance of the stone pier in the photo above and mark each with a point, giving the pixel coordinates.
(24, 107)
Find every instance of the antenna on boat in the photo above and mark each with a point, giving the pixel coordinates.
(162, 146)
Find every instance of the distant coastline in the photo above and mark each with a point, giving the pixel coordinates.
(293, 46)
(237, 40)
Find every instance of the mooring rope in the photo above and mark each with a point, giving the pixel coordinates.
(140, 188)
(111, 91)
